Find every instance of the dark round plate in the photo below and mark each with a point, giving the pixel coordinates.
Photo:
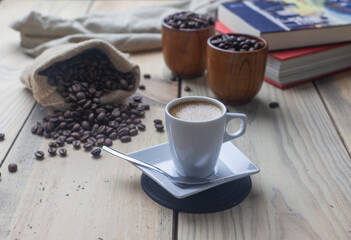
(215, 199)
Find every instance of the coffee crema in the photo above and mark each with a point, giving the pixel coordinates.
(195, 111)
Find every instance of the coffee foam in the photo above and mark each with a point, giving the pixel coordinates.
(195, 111)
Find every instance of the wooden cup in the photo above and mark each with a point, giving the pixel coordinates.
(236, 77)
(184, 50)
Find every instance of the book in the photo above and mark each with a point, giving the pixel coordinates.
(290, 23)
(287, 68)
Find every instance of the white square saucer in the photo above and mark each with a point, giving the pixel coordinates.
(232, 165)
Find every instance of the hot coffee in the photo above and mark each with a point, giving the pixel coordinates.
(195, 111)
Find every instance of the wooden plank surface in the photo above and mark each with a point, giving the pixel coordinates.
(78, 197)
(336, 94)
(302, 191)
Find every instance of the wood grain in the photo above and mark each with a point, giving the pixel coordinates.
(235, 76)
(336, 94)
(184, 51)
(302, 191)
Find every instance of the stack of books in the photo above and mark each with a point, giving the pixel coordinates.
(306, 41)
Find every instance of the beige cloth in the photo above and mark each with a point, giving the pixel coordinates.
(46, 95)
(130, 31)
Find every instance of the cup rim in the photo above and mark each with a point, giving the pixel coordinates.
(238, 34)
(195, 98)
(164, 24)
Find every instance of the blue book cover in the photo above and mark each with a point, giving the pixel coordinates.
(269, 16)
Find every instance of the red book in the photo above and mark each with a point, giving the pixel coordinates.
(287, 68)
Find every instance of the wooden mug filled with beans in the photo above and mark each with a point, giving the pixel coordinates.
(184, 37)
(235, 66)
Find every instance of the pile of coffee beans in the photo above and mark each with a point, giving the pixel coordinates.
(238, 43)
(92, 126)
(189, 20)
(81, 81)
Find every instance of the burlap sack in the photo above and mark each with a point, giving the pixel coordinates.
(46, 95)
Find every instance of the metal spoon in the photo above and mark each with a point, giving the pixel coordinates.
(175, 180)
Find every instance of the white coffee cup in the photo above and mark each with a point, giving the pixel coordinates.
(195, 145)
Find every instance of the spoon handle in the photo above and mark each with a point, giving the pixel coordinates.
(133, 160)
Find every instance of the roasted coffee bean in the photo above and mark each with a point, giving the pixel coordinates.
(133, 132)
(108, 142)
(147, 76)
(142, 87)
(125, 139)
(52, 150)
(88, 146)
(76, 144)
(70, 140)
(189, 20)
(52, 144)
(187, 89)
(66, 133)
(101, 116)
(158, 121)
(145, 106)
(39, 154)
(34, 129)
(159, 127)
(76, 135)
(62, 152)
(96, 152)
(233, 42)
(2, 136)
(60, 142)
(100, 141)
(84, 138)
(137, 98)
(274, 105)
(141, 126)
(12, 167)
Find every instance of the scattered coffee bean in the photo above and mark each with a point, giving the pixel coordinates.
(2, 137)
(96, 152)
(189, 20)
(52, 150)
(39, 155)
(62, 152)
(159, 127)
(187, 89)
(137, 98)
(141, 127)
(232, 42)
(158, 121)
(145, 106)
(147, 76)
(142, 87)
(125, 139)
(274, 105)
(12, 167)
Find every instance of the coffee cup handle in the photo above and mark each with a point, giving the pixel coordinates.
(230, 136)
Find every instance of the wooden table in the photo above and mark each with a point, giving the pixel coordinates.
(302, 148)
